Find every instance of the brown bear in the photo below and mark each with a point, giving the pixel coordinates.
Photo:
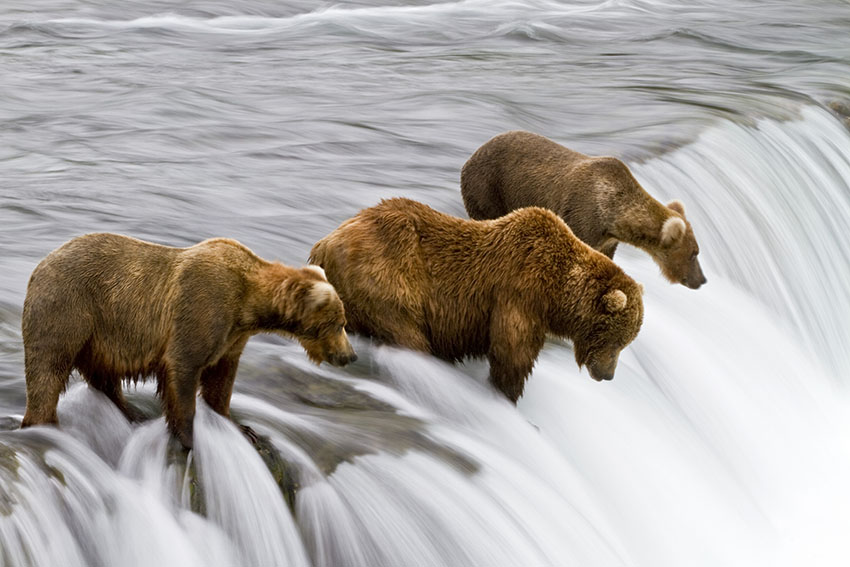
(598, 198)
(452, 287)
(115, 307)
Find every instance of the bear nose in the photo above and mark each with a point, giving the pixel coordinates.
(342, 359)
(599, 373)
(697, 282)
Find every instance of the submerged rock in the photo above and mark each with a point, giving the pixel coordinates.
(8, 471)
(12, 451)
(332, 422)
(9, 423)
(284, 474)
(842, 109)
(348, 421)
(188, 484)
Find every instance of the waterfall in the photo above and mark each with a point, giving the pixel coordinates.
(723, 439)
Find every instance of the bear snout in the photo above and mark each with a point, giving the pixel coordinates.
(342, 359)
(600, 376)
(695, 283)
(600, 371)
(340, 352)
(695, 277)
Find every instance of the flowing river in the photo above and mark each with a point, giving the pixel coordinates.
(724, 439)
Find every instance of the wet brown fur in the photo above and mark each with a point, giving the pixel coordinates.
(597, 197)
(418, 278)
(116, 308)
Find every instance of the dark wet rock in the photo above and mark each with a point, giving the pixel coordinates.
(9, 465)
(197, 503)
(267, 376)
(368, 433)
(179, 457)
(353, 423)
(284, 474)
(317, 391)
(144, 404)
(345, 423)
(13, 447)
(8, 461)
(9, 423)
(842, 109)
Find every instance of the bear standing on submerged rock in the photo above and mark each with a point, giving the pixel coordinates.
(597, 197)
(115, 308)
(451, 287)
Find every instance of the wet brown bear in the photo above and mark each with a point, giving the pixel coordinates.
(415, 277)
(115, 308)
(597, 197)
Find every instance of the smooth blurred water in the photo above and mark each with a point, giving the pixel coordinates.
(723, 439)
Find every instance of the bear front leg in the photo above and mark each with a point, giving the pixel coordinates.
(509, 376)
(396, 326)
(515, 341)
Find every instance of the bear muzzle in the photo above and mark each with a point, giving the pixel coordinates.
(340, 353)
(600, 372)
(695, 277)
(337, 350)
(341, 359)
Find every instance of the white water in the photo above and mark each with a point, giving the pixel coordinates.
(723, 439)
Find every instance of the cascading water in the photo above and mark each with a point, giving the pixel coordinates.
(733, 418)
(724, 438)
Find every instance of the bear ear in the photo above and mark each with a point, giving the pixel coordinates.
(614, 300)
(316, 269)
(672, 230)
(677, 206)
(320, 294)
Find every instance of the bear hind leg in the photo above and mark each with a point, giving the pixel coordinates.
(111, 387)
(179, 387)
(46, 380)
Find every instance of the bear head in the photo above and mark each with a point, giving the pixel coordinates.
(316, 316)
(678, 249)
(610, 319)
